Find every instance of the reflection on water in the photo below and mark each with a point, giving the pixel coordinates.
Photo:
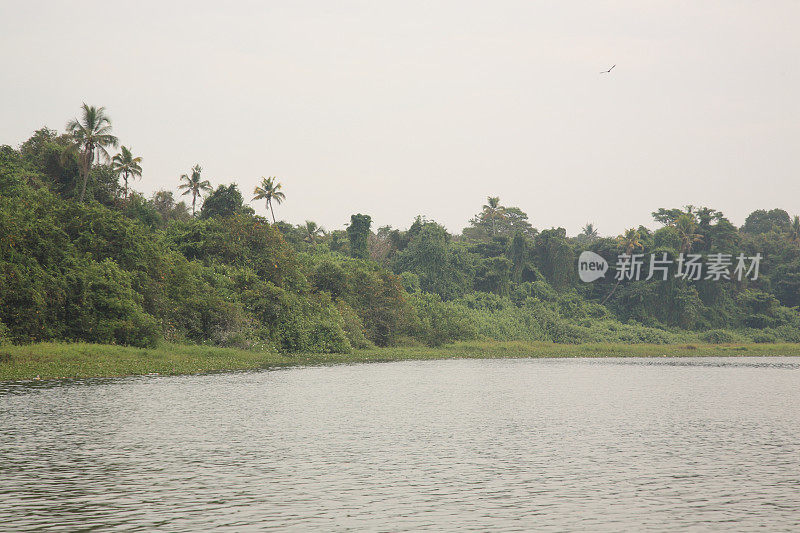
(590, 444)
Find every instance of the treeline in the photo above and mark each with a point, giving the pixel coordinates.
(85, 257)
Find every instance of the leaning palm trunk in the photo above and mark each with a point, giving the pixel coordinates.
(612, 292)
(628, 251)
(87, 163)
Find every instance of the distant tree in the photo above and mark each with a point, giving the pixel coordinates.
(380, 244)
(164, 203)
(224, 201)
(337, 241)
(706, 216)
(494, 274)
(311, 231)
(667, 216)
(520, 251)
(628, 242)
(588, 234)
(269, 190)
(401, 239)
(442, 267)
(139, 208)
(794, 233)
(762, 221)
(497, 220)
(514, 220)
(91, 134)
(722, 236)
(57, 158)
(358, 234)
(666, 239)
(700, 228)
(491, 211)
(194, 184)
(104, 183)
(686, 227)
(555, 257)
(31, 148)
(125, 165)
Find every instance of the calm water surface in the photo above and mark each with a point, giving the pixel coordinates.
(547, 444)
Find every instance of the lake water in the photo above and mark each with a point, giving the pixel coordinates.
(508, 445)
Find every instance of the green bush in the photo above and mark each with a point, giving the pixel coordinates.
(764, 338)
(717, 336)
(101, 307)
(352, 326)
(638, 334)
(292, 322)
(441, 322)
(788, 333)
(4, 332)
(410, 282)
(562, 332)
(375, 294)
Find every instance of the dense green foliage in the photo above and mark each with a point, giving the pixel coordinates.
(124, 269)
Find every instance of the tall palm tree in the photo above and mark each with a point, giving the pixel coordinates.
(627, 242)
(126, 165)
(686, 225)
(794, 232)
(269, 190)
(311, 231)
(588, 233)
(92, 134)
(492, 211)
(194, 184)
(630, 241)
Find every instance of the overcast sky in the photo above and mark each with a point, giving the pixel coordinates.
(396, 109)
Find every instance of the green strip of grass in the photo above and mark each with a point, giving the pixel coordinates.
(80, 360)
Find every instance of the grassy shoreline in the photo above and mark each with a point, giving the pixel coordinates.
(81, 360)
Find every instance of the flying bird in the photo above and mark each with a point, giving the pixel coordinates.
(609, 70)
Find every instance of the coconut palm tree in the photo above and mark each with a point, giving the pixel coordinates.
(492, 210)
(627, 242)
(630, 241)
(125, 165)
(269, 190)
(311, 231)
(194, 184)
(92, 134)
(794, 232)
(588, 233)
(686, 225)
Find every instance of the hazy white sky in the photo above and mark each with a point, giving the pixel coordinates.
(395, 109)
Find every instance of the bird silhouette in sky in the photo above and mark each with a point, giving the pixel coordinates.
(609, 70)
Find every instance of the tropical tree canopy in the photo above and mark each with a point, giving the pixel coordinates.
(224, 201)
(144, 270)
(498, 220)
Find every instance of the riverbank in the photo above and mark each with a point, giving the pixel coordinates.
(80, 360)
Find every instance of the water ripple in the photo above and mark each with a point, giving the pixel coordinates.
(508, 445)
